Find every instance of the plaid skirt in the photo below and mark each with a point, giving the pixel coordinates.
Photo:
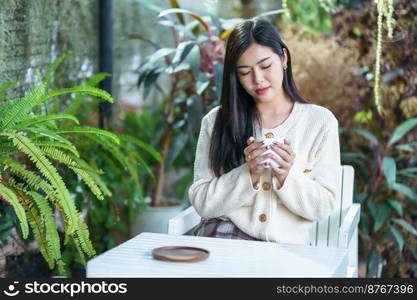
(217, 227)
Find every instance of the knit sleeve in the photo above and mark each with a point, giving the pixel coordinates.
(214, 196)
(313, 195)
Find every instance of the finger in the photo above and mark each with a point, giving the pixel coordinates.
(280, 161)
(253, 146)
(287, 141)
(260, 158)
(250, 140)
(259, 151)
(284, 147)
(278, 170)
(284, 154)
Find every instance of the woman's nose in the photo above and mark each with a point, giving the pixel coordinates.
(257, 76)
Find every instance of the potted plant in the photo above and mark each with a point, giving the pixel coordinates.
(193, 65)
(32, 142)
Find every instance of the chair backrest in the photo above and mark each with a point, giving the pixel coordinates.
(326, 231)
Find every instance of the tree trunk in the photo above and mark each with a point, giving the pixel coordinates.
(157, 195)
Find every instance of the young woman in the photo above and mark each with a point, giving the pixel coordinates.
(236, 195)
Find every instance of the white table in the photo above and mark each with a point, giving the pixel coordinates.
(228, 258)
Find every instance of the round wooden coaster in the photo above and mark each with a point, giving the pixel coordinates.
(180, 254)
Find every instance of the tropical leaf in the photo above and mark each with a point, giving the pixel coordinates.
(398, 237)
(367, 135)
(407, 226)
(184, 11)
(401, 130)
(390, 169)
(405, 190)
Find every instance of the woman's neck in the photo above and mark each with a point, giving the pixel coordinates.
(275, 110)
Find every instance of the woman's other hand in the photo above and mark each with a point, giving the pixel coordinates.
(254, 154)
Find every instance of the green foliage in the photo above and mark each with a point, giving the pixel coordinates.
(31, 143)
(387, 192)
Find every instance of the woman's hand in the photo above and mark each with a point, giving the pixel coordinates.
(285, 161)
(254, 155)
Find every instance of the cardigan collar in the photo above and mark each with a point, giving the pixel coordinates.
(282, 128)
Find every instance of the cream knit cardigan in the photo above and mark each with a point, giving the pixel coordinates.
(270, 213)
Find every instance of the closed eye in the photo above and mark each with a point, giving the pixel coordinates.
(263, 68)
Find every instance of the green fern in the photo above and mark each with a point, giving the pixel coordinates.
(46, 168)
(79, 89)
(148, 148)
(41, 119)
(44, 132)
(91, 131)
(68, 160)
(75, 104)
(83, 236)
(17, 110)
(53, 144)
(11, 197)
(32, 180)
(48, 216)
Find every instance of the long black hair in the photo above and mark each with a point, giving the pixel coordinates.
(233, 124)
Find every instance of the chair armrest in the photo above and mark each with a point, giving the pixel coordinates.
(349, 224)
(183, 222)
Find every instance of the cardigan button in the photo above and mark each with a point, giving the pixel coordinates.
(266, 186)
(262, 218)
(269, 135)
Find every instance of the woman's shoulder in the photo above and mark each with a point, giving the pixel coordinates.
(318, 113)
(211, 115)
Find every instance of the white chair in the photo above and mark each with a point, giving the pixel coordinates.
(340, 229)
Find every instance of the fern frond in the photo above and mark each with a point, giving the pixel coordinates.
(79, 168)
(38, 230)
(32, 180)
(40, 119)
(79, 89)
(50, 134)
(91, 131)
(17, 110)
(11, 197)
(90, 182)
(48, 216)
(97, 179)
(97, 78)
(46, 168)
(136, 156)
(83, 236)
(148, 148)
(111, 148)
(68, 160)
(74, 105)
(52, 144)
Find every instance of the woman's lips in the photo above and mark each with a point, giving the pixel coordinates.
(262, 91)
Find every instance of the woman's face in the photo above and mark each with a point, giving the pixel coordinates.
(260, 72)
